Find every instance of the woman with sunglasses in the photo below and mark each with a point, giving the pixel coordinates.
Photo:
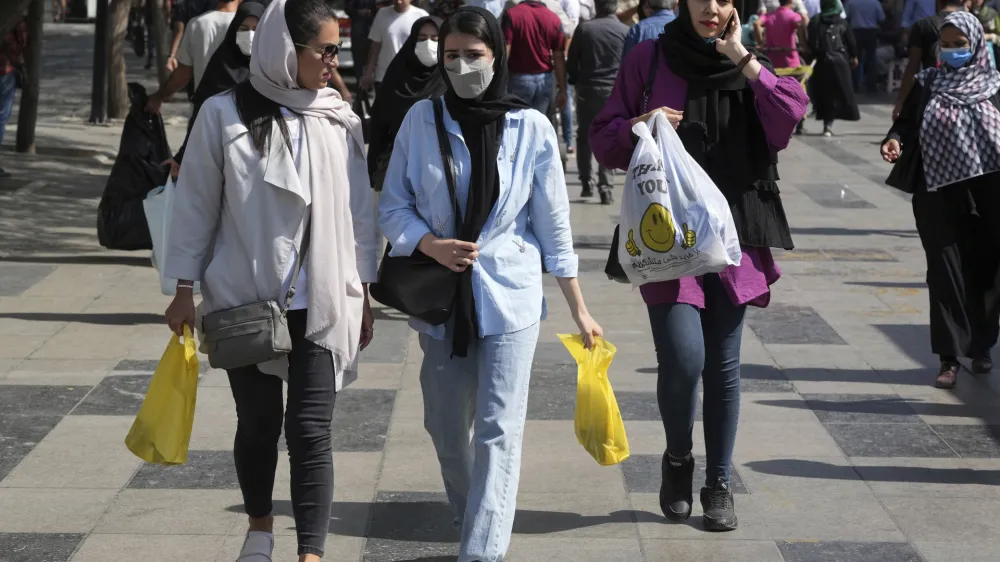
(275, 164)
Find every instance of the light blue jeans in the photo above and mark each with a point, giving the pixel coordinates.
(8, 92)
(474, 410)
(537, 90)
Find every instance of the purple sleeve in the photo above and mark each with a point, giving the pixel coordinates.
(611, 130)
(781, 104)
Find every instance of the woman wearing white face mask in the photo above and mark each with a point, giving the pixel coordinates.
(509, 185)
(413, 75)
(229, 66)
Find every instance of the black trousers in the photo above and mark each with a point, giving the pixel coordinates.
(866, 74)
(959, 228)
(307, 418)
(589, 102)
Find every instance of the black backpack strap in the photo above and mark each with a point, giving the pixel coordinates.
(446, 158)
(650, 77)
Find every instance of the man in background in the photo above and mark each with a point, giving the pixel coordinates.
(182, 12)
(536, 54)
(924, 48)
(866, 18)
(916, 10)
(362, 14)
(572, 9)
(12, 48)
(660, 13)
(390, 30)
(592, 65)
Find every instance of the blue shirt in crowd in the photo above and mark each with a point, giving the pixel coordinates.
(528, 226)
(865, 14)
(494, 6)
(916, 10)
(649, 28)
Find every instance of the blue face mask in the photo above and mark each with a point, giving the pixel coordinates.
(956, 58)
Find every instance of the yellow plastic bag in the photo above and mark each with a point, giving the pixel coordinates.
(599, 426)
(162, 430)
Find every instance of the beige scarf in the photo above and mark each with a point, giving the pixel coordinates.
(335, 307)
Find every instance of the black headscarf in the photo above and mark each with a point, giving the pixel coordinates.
(227, 67)
(407, 81)
(721, 128)
(482, 122)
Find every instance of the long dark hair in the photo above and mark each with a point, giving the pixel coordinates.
(304, 19)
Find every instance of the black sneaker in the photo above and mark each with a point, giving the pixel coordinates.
(607, 197)
(676, 496)
(719, 507)
(587, 191)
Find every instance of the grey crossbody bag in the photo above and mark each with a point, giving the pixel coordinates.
(252, 333)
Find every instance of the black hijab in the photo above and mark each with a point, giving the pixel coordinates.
(407, 81)
(227, 67)
(721, 128)
(482, 122)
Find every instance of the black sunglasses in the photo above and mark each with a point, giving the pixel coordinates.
(329, 52)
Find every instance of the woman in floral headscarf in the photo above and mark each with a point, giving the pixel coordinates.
(947, 143)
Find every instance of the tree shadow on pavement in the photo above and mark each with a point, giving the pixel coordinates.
(110, 319)
(800, 468)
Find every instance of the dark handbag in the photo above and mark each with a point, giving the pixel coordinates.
(417, 285)
(252, 333)
(613, 268)
(907, 173)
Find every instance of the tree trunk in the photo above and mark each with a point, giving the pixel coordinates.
(156, 16)
(118, 103)
(10, 13)
(27, 114)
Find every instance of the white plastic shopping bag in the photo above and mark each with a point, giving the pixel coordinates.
(674, 220)
(159, 205)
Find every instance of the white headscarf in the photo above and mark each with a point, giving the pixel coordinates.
(336, 295)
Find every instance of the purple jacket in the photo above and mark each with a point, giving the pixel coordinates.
(781, 104)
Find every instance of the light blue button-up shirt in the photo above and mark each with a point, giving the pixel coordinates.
(494, 6)
(529, 223)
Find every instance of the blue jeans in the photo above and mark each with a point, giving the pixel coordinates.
(694, 343)
(535, 89)
(566, 118)
(474, 410)
(8, 91)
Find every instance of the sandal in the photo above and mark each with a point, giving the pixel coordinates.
(948, 375)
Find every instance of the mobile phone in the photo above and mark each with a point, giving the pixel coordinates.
(730, 28)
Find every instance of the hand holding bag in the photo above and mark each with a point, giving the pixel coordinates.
(253, 333)
(418, 285)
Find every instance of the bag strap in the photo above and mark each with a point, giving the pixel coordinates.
(446, 158)
(650, 77)
(299, 257)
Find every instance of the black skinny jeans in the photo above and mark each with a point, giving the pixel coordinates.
(311, 396)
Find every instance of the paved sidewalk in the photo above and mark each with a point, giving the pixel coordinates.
(845, 452)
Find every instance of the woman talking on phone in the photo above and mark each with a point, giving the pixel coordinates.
(733, 115)
(509, 184)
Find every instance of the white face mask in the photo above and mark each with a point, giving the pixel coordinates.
(469, 79)
(244, 40)
(427, 52)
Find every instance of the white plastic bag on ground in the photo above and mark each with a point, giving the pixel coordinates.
(158, 205)
(674, 220)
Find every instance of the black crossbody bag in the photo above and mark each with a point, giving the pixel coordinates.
(418, 285)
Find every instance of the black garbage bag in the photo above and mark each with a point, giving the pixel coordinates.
(138, 169)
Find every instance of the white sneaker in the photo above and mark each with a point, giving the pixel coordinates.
(257, 547)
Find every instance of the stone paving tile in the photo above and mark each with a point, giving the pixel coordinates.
(533, 549)
(642, 474)
(118, 395)
(861, 408)
(889, 440)
(951, 478)
(204, 470)
(788, 324)
(844, 551)
(834, 196)
(38, 547)
(16, 279)
(361, 419)
(20, 434)
(37, 400)
(139, 365)
(972, 441)
(52, 510)
(940, 519)
(763, 378)
(984, 550)
(658, 550)
(149, 548)
(410, 526)
(173, 512)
